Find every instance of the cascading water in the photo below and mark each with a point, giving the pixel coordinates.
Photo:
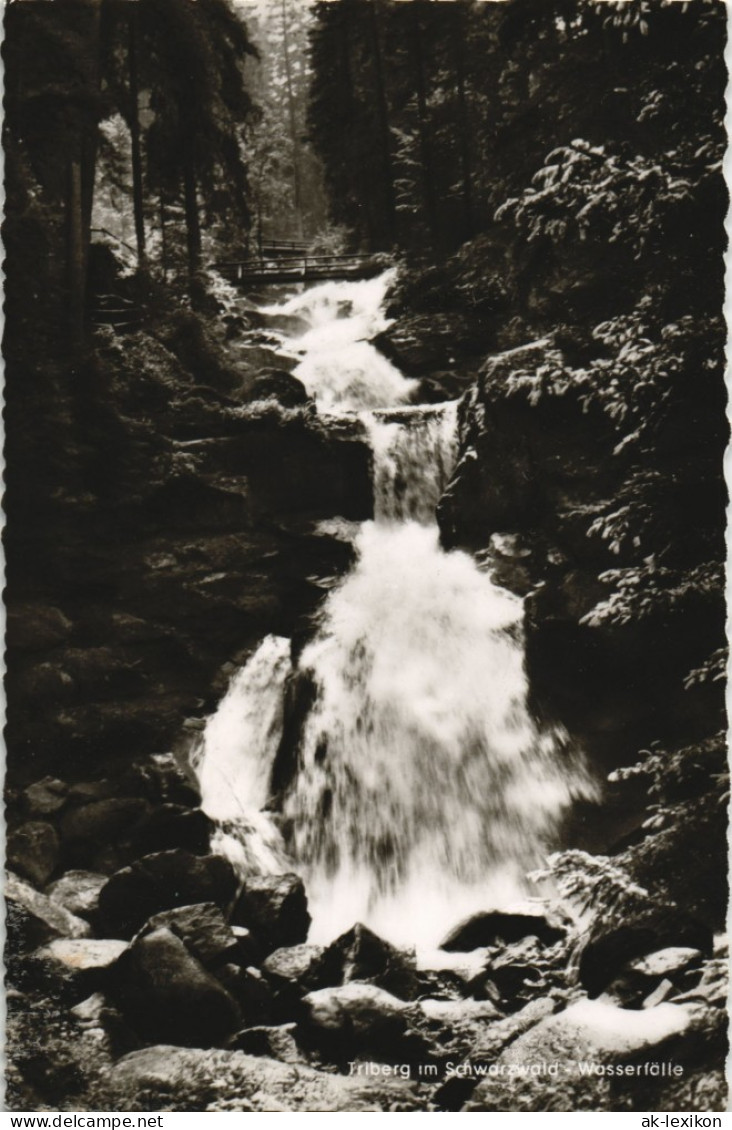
(420, 788)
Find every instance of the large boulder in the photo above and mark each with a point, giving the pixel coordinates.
(166, 994)
(171, 826)
(34, 918)
(487, 928)
(160, 882)
(45, 797)
(361, 955)
(279, 385)
(33, 851)
(78, 891)
(428, 343)
(278, 1042)
(103, 821)
(297, 968)
(75, 967)
(609, 946)
(275, 909)
(252, 992)
(202, 929)
(216, 1080)
(355, 1018)
(577, 1051)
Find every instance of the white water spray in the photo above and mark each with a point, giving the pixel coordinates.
(339, 367)
(419, 788)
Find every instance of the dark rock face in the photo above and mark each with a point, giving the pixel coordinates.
(33, 851)
(202, 929)
(275, 909)
(487, 928)
(103, 821)
(161, 882)
(165, 994)
(37, 627)
(251, 991)
(279, 385)
(172, 826)
(429, 343)
(608, 949)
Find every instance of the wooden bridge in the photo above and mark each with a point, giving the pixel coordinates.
(276, 267)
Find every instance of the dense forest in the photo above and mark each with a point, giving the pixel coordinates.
(545, 180)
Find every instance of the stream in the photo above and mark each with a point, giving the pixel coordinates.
(417, 787)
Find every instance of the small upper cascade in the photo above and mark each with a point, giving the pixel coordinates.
(413, 458)
(340, 369)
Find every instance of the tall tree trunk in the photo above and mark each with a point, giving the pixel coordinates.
(82, 171)
(193, 226)
(163, 238)
(76, 256)
(294, 140)
(425, 145)
(383, 112)
(134, 93)
(464, 124)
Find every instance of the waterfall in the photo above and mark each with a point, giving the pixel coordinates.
(424, 789)
(420, 788)
(413, 458)
(233, 760)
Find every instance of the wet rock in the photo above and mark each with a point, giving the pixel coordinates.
(160, 882)
(45, 797)
(202, 929)
(33, 851)
(103, 821)
(78, 891)
(39, 917)
(277, 1042)
(355, 1017)
(251, 991)
(275, 909)
(489, 927)
(609, 947)
(231, 1080)
(35, 627)
(172, 826)
(164, 993)
(361, 955)
(279, 385)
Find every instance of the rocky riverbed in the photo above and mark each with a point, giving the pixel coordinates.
(143, 974)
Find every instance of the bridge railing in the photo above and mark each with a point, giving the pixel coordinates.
(299, 266)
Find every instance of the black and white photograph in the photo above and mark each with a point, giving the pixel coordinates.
(364, 536)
